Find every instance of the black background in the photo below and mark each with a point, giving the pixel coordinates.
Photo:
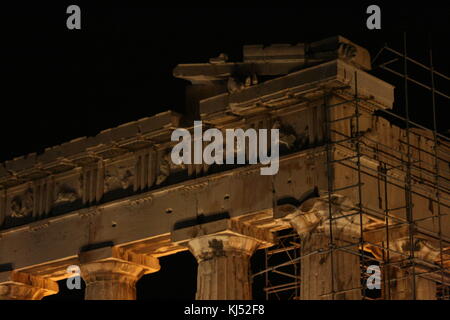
(59, 84)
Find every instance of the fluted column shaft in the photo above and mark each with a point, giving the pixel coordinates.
(401, 285)
(223, 266)
(111, 280)
(328, 274)
(401, 277)
(321, 272)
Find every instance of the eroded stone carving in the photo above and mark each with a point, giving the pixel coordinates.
(22, 205)
(222, 58)
(166, 167)
(66, 194)
(235, 84)
(347, 51)
(287, 136)
(118, 177)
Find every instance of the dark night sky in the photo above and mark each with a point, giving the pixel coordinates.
(60, 84)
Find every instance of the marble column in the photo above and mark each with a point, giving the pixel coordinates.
(112, 275)
(401, 277)
(326, 274)
(323, 272)
(223, 266)
(111, 280)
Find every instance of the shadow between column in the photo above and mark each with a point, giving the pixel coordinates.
(177, 279)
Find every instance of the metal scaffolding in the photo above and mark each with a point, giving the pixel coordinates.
(420, 176)
(282, 267)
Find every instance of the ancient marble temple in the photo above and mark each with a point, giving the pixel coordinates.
(113, 204)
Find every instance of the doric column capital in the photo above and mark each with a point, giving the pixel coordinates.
(148, 263)
(232, 234)
(302, 222)
(111, 269)
(111, 273)
(222, 244)
(423, 249)
(22, 286)
(314, 215)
